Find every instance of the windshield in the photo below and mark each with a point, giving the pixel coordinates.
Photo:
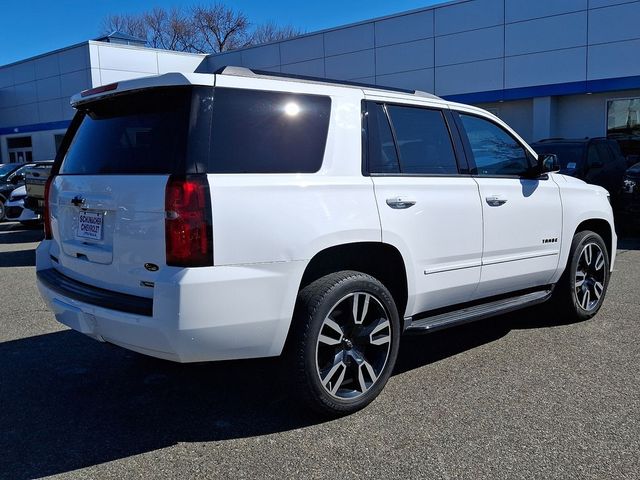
(569, 155)
(140, 133)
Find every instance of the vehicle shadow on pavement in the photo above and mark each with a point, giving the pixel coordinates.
(68, 402)
(19, 258)
(14, 233)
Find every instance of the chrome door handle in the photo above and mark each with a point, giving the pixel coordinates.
(400, 203)
(496, 200)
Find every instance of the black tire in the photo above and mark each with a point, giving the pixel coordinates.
(2, 211)
(360, 348)
(569, 295)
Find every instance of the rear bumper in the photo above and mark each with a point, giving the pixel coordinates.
(200, 314)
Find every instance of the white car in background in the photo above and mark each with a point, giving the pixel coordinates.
(15, 210)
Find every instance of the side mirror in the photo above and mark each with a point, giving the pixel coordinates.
(548, 162)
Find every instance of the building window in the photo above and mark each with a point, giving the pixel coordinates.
(623, 117)
(20, 149)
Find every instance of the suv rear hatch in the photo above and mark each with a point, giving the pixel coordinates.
(107, 199)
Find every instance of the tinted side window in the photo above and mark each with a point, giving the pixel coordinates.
(268, 132)
(495, 151)
(423, 140)
(383, 157)
(605, 154)
(593, 157)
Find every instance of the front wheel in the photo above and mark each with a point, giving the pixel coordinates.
(584, 283)
(346, 334)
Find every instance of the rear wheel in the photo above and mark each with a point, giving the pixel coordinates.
(583, 285)
(346, 338)
(2, 211)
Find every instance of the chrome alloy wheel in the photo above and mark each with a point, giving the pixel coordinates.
(590, 276)
(353, 346)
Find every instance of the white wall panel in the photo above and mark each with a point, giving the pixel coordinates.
(301, 49)
(112, 76)
(415, 80)
(128, 59)
(611, 60)
(612, 24)
(469, 16)
(469, 77)
(313, 68)
(550, 33)
(546, 68)
(349, 39)
(470, 46)
(404, 28)
(404, 56)
(175, 62)
(518, 10)
(350, 65)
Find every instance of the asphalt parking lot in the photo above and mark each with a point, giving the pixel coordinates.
(521, 396)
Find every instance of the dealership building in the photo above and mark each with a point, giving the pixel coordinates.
(549, 68)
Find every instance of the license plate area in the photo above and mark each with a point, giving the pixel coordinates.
(90, 225)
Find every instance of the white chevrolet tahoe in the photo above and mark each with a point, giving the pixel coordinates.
(240, 214)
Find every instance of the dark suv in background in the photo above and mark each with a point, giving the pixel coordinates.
(598, 161)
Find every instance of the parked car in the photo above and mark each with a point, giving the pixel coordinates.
(630, 198)
(308, 218)
(15, 210)
(629, 146)
(9, 178)
(7, 169)
(597, 161)
(35, 180)
(13, 178)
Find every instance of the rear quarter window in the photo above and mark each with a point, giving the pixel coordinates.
(268, 132)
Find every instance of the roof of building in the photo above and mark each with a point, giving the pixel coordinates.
(119, 37)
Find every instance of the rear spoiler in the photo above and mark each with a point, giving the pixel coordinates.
(165, 80)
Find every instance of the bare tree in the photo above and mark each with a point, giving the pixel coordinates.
(171, 30)
(219, 28)
(272, 32)
(211, 28)
(130, 24)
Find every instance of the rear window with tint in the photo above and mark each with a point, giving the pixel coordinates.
(268, 132)
(140, 133)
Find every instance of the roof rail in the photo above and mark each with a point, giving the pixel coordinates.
(247, 72)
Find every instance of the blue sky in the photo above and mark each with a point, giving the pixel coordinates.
(32, 27)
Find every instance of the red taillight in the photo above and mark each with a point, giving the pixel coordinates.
(48, 235)
(188, 230)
